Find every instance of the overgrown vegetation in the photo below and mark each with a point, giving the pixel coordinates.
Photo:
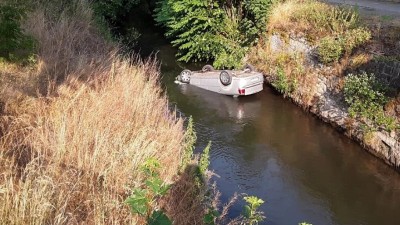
(71, 141)
(298, 33)
(366, 99)
(15, 45)
(310, 42)
(206, 30)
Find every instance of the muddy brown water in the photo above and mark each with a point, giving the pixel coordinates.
(266, 146)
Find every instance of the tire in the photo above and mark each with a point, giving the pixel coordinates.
(207, 68)
(225, 77)
(185, 76)
(249, 67)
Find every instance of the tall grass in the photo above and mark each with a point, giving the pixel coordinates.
(72, 142)
(311, 18)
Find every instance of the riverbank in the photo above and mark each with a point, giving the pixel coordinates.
(312, 66)
(78, 121)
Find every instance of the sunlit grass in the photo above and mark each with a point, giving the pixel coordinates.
(71, 144)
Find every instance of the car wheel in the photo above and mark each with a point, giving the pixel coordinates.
(207, 68)
(249, 68)
(185, 76)
(225, 77)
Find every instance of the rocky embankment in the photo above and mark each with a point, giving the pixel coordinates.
(328, 102)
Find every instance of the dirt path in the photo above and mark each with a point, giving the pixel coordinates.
(374, 8)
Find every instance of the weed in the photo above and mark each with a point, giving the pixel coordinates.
(189, 140)
(366, 99)
(330, 49)
(143, 200)
(250, 212)
(205, 159)
(281, 83)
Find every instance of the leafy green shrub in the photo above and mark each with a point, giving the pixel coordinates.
(205, 30)
(282, 83)
(255, 18)
(14, 44)
(193, 26)
(366, 99)
(250, 212)
(205, 159)
(330, 49)
(354, 38)
(142, 200)
(112, 9)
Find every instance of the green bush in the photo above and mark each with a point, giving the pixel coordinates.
(205, 30)
(330, 49)
(143, 201)
(366, 99)
(282, 83)
(111, 10)
(354, 38)
(14, 44)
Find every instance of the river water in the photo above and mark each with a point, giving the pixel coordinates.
(266, 146)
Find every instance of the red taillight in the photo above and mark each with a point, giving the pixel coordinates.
(242, 91)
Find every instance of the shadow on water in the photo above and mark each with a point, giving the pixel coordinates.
(264, 145)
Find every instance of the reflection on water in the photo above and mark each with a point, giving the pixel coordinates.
(263, 145)
(224, 106)
(305, 170)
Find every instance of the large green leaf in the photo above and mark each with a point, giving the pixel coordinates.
(138, 201)
(157, 186)
(158, 218)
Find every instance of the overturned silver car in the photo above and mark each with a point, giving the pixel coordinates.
(227, 82)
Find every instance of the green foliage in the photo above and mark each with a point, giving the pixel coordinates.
(14, 44)
(205, 30)
(255, 20)
(211, 216)
(250, 212)
(205, 159)
(330, 49)
(366, 99)
(354, 38)
(142, 200)
(138, 201)
(282, 83)
(159, 218)
(189, 141)
(111, 10)
(192, 24)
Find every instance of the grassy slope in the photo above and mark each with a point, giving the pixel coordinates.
(313, 21)
(77, 124)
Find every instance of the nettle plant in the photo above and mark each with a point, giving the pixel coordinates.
(143, 200)
(251, 214)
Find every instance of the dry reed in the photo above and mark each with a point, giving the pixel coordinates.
(71, 146)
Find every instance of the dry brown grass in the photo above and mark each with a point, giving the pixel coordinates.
(76, 126)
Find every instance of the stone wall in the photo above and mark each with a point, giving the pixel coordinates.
(329, 105)
(387, 71)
